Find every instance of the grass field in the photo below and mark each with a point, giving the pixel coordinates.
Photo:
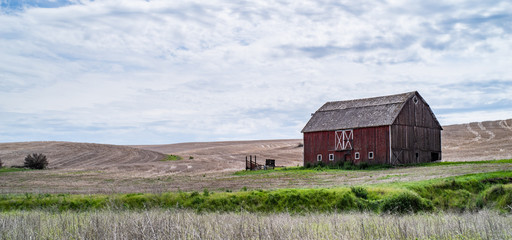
(470, 192)
(179, 224)
(471, 206)
(6, 170)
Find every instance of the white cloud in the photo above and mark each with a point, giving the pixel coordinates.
(170, 71)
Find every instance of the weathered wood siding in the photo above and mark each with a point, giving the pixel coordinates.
(416, 135)
(372, 139)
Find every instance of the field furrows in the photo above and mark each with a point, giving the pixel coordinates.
(77, 155)
(477, 141)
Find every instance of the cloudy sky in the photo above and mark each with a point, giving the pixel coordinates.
(152, 72)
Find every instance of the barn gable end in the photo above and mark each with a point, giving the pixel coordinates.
(394, 129)
(415, 133)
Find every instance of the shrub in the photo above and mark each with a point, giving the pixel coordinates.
(320, 164)
(345, 202)
(363, 165)
(499, 196)
(360, 192)
(36, 161)
(172, 158)
(348, 166)
(406, 202)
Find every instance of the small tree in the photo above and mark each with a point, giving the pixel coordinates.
(36, 161)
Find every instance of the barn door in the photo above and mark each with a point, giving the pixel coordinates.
(344, 139)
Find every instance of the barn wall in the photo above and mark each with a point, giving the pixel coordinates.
(374, 139)
(317, 143)
(416, 136)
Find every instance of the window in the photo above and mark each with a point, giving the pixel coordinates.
(343, 139)
(415, 100)
(357, 155)
(331, 157)
(417, 156)
(370, 155)
(319, 157)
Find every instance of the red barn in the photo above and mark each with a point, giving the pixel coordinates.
(396, 129)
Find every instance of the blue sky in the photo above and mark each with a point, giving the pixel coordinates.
(154, 72)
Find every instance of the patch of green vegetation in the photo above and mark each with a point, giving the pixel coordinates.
(342, 166)
(84, 172)
(6, 170)
(314, 169)
(292, 170)
(392, 176)
(406, 202)
(433, 164)
(463, 193)
(172, 158)
(346, 166)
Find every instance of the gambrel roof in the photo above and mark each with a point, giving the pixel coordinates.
(358, 113)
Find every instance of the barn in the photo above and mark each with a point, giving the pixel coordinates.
(395, 129)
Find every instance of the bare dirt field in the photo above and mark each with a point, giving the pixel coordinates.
(100, 168)
(477, 141)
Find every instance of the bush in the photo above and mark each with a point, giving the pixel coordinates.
(360, 192)
(406, 202)
(349, 166)
(345, 202)
(499, 196)
(363, 165)
(36, 161)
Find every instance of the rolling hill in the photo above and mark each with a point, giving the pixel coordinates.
(462, 142)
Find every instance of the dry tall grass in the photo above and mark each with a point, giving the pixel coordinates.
(160, 224)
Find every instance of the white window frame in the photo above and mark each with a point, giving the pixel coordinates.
(319, 157)
(357, 155)
(343, 139)
(331, 156)
(371, 155)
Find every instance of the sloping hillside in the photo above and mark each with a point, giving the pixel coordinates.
(478, 141)
(462, 142)
(77, 155)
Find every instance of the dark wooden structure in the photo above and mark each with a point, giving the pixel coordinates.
(250, 164)
(270, 163)
(253, 165)
(396, 129)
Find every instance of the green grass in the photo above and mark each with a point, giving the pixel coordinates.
(470, 192)
(433, 164)
(315, 169)
(6, 170)
(172, 158)
(392, 176)
(349, 166)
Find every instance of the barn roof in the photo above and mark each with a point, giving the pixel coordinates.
(358, 113)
